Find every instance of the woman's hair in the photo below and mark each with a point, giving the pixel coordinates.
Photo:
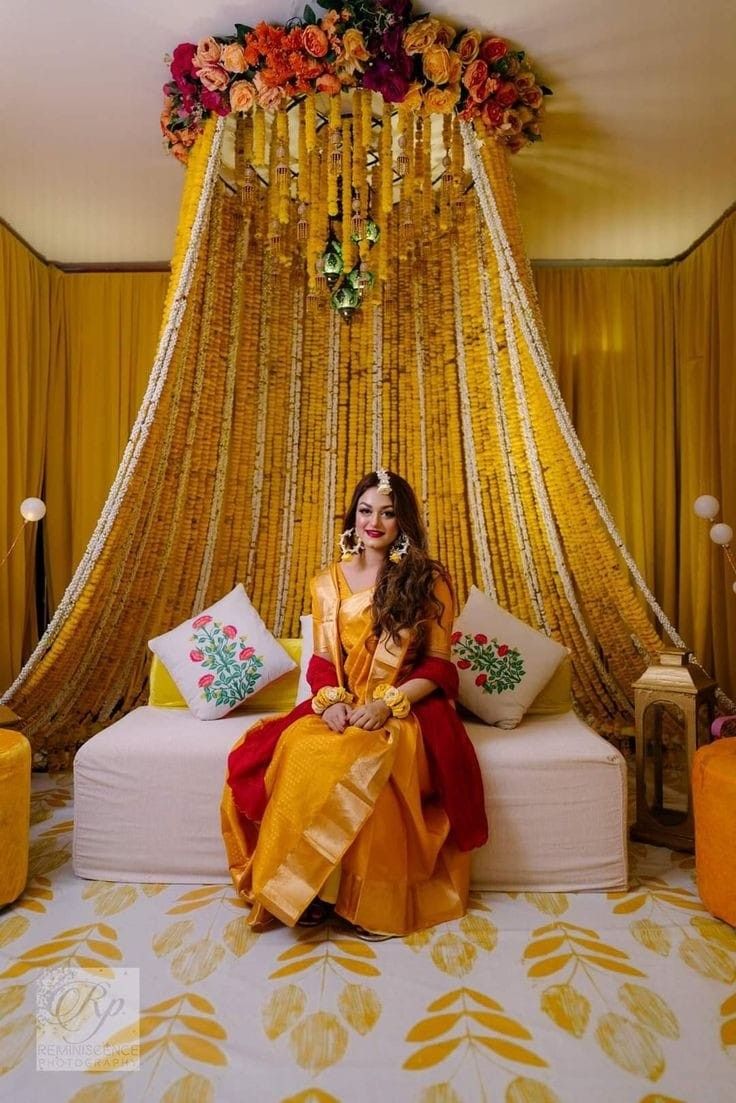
(403, 597)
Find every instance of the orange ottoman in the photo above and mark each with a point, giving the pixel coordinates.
(714, 805)
(15, 810)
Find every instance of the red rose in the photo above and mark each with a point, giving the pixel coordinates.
(507, 94)
(196, 656)
(230, 631)
(475, 77)
(503, 650)
(463, 664)
(247, 653)
(201, 621)
(455, 637)
(481, 679)
(480, 638)
(493, 48)
(206, 680)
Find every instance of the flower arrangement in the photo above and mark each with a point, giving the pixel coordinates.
(420, 62)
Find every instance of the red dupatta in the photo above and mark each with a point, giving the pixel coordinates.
(453, 764)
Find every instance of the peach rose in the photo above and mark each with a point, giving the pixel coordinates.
(492, 114)
(441, 101)
(456, 68)
(208, 52)
(475, 79)
(328, 83)
(533, 97)
(214, 77)
(330, 22)
(419, 36)
(353, 47)
(468, 46)
(315, 41)
(436, 63)
(493, 48)
(525, 80)
(233, 58)
(511, 122)
(413, 99)
(445, 34)
(242, 95)
(269, 98)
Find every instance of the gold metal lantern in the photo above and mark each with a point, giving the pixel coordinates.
(675, 703)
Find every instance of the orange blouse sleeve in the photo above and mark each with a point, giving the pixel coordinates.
(437, 632)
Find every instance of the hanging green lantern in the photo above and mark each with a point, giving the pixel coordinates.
(371, 231)
(346, 301)
(332, 262)
(360, 278)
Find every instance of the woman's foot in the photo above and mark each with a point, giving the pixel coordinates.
(371, 936)
(316, 913)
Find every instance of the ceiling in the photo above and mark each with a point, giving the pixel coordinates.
(639, 156)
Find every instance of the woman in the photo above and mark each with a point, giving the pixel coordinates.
(368, 797)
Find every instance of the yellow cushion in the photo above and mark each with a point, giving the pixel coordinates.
(557, 694)
(278, 696)
(15, 805)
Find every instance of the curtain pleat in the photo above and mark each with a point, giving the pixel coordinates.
(24, 363)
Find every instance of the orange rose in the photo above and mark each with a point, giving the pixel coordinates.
(441, 101)
(445, 34)
(436, 62)
(353, 47)
(419, 36)
(413, 99)
(456, 68)
(242, 95)
(315, 41)
(214, 77)
(468, 46)
(233, 58)
(328, 83)
(533, 97)
(208, 52)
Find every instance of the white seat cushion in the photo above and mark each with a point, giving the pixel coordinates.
(147, 797)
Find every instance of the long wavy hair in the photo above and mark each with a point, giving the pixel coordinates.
(403, 598)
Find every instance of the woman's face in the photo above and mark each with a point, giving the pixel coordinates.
(375, 520)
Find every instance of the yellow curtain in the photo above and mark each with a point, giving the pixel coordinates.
(25, 326)
(705, 319)
(107, 326)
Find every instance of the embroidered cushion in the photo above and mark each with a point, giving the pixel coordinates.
(222, 656)
(502, 663)
(279, 696)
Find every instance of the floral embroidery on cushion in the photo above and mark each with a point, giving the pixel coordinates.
(235, 667)
(499, 666)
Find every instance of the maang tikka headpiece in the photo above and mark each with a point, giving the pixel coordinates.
(384, 483)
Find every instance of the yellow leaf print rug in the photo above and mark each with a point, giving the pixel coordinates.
(625, 997)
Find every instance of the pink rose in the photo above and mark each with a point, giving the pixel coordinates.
(196, 656)
(208, 52)
(201, 621)
(503, 649)
(269, 98)
(206, 680)
(230, 631)
(463, 664)
(247, 653)
(493, 48)
(480, 638)
(214, 77)
(492, 114)
(481, 679)
(455, 637)
(214, 101)
(328, 83)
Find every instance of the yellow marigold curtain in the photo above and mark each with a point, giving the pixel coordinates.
(25, 333)
(107, 324)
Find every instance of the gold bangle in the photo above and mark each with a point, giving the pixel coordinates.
(330, 695)
(397, 701)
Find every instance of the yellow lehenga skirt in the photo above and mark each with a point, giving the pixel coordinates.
(359, 803)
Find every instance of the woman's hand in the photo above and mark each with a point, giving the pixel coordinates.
(337, 717)
(370, 716)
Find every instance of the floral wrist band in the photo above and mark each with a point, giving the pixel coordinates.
(397, 701)
(330, 695)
